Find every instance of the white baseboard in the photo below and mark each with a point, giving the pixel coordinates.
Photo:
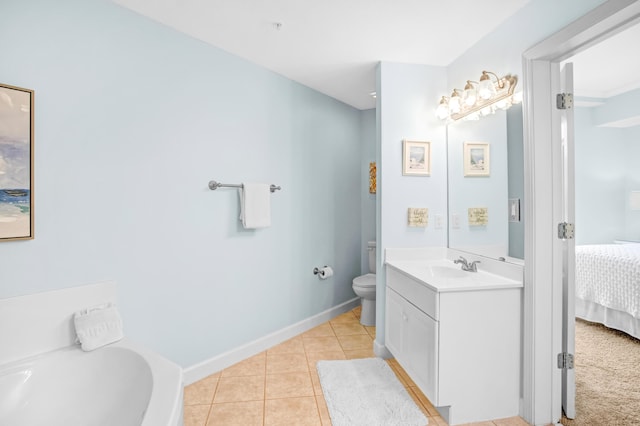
(218, 363)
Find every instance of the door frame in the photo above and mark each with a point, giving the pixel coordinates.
(543, 298)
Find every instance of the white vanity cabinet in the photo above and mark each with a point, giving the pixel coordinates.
(410, 337)
(460, 344)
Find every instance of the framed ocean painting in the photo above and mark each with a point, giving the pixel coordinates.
(16, 163)
(416, 158)
(476, 159)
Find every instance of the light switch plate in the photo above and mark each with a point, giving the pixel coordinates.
(514, 210)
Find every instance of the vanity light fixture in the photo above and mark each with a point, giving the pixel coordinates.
(470, 94)
(443, 108)
(479, 98)
(454, 102)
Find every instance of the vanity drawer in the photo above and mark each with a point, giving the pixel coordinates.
(418, 294)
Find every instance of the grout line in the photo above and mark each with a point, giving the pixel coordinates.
(213, 396)
(206, 419)
(264, 392)
(306, 356)
(394, 366)
(315, 398)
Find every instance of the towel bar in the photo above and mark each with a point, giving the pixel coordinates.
(213, 185)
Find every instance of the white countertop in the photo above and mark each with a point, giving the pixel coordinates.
(442, 275)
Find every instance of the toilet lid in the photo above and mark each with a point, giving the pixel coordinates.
(368, 280)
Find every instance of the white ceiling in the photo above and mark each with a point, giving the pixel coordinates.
(608, 68)
(333, 46)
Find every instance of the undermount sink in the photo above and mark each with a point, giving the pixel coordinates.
(447, 272)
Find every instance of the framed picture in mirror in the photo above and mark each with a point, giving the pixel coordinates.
(16, 163)
(416, 158)
(476, 157)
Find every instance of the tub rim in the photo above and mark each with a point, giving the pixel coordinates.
(166, 400)
(167, 390)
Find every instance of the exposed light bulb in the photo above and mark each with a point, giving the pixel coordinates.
(454, 106)
(517, 97)
(485, 111)
(486, 88)
(469, 95)
(454, 103)
(470, 99)
(504, 103)
(442, 111)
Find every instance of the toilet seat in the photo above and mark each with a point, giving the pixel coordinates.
(365, 281)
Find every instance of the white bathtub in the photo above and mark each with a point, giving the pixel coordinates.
(120, 384)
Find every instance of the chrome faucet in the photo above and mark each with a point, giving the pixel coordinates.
(466, 266)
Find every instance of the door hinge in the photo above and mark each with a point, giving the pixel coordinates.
(565, 361)
(566, 231)
(564, 100)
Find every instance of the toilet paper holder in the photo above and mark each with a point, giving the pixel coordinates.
(323, 272)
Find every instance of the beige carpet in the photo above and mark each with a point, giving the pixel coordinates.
(607, 364)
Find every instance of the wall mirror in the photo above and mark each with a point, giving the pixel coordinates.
(486, 185)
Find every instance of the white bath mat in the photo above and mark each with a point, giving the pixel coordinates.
(366, 392)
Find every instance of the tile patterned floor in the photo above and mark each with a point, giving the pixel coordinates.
(280, 387)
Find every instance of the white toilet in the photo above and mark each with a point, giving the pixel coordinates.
(365, 287)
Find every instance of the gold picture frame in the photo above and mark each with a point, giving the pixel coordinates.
(416, 158)
(477, 159)
(372, 178)
(16, 163)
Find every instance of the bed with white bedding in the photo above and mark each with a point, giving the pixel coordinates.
(608, 285)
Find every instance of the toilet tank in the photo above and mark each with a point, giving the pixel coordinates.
(371, 247)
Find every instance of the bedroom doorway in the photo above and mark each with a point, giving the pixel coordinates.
(596, 172)
(547, 299)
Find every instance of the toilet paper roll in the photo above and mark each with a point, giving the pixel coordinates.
(325, 272)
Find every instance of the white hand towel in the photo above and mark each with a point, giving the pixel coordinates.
(98, 326)
(255, 205)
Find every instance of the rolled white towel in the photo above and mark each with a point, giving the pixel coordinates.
(98, 326)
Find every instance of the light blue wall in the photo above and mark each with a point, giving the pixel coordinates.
(632, 218)
(407, 98)
(606, 170)
(501, 52)
(132, 121)
(368, 143)
(515, 142)
(406, 111)
(490, 192)
(616, 108)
